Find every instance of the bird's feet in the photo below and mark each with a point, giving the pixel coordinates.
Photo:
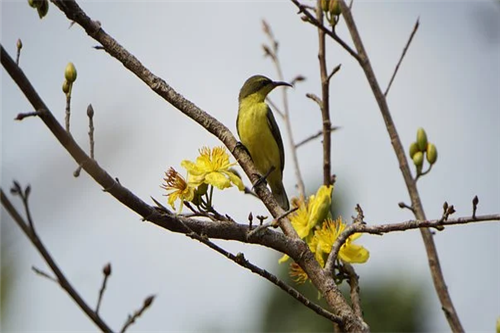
(263, 179)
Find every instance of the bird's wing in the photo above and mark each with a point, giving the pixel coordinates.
(277, 135)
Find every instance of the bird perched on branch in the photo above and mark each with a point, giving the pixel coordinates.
(260, 134)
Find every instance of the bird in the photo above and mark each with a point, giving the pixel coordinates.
(259, 133)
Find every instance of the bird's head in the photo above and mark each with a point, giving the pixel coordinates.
(258, 86)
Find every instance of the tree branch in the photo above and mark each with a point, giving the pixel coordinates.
(433, 259)
(414, 31)
(325, 99)
(61, 278)
(365, 227)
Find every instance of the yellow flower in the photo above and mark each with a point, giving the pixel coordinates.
(324, 238)
(309, 215)
(212, 167)
(180, 188)
(297, 273)
(319, 206)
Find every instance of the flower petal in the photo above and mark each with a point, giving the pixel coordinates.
(218, 180)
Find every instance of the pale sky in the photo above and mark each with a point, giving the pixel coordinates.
(448, 83)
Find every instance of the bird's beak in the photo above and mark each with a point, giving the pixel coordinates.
(281, 83)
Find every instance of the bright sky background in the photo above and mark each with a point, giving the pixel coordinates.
(449, 84)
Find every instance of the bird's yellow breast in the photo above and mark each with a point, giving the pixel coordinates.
(256, 136)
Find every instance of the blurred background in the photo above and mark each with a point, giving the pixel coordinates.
(448, 83)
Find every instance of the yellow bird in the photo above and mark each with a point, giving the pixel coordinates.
(260, 134)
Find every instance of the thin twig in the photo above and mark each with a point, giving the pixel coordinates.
(286, 110)
(414, 31)
(274, 223)
(68, 108)
(354, 285)
(44, 274)
(315, 99)
(365, 227)
(19, 46)
(106, 271)
(131, 319)
(311, 19)
(475, 202)
(275, 108)
(325, 100)
(90, 114)
(314, 136)
(61, 278)
(334, 71)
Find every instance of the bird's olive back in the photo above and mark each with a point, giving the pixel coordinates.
(253, 85)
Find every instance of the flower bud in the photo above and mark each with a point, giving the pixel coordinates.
(432, 153)
(65, 86)
(19, 44)
(421, 139)
(43, 9)
(335, 9)
(70, 72)
(325, 5)
(413, 149)
(35, 3)
(418, 159)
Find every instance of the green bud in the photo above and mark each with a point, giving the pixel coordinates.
(418, 159)
(432, 153)
(413, 149)
(421, 139)
(498, 325)
(43, 9)
(70, 72)
(335, 9)
(65, 86)
(19, 44)
(35, 3)
(325, 5)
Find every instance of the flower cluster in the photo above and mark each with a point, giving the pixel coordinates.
(314, 224)
(211, 169)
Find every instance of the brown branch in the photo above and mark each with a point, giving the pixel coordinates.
(433, 259)
(106, 271)
(90, 114)
(334, 71)
(325, 99)
(364, 227)
(61, 278)
(354, 285)
(414, 31)
(19, 46)
(273, 52)
(314, 21)
(314, 136)
(131, 319)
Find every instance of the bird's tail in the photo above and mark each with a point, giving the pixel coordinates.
(280, 194)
